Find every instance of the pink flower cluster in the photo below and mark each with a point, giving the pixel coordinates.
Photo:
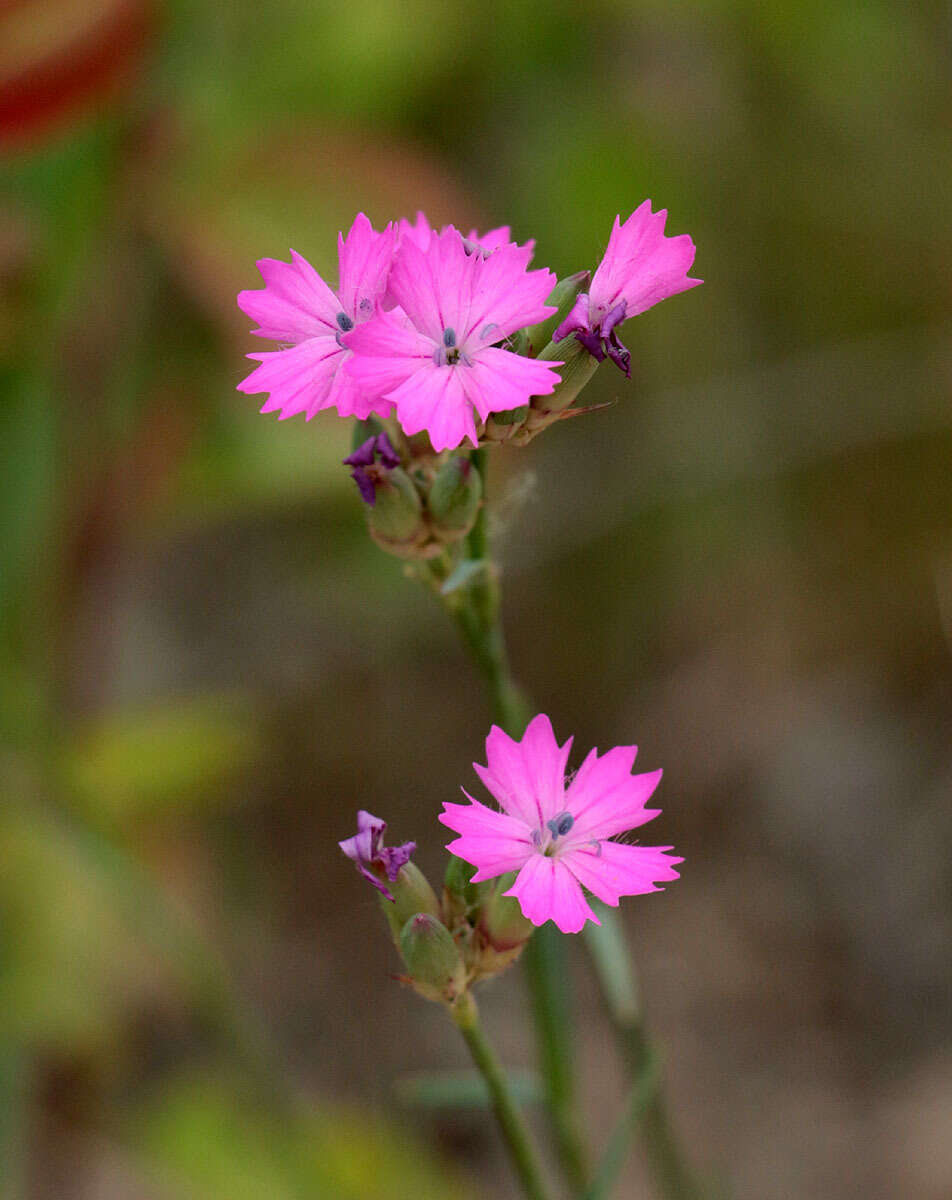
(418, 324)
(558, 833)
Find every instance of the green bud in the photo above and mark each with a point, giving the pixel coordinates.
(432, 958)
(503, 931)
(363, 430)
(458, 875)
(501, 426)
(455, 497)
(577, 370)
(518, 342)
(397, 523)
(411, 894)
(563, 296)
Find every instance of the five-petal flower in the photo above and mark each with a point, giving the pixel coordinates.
(556, 833)
(437, 356)
(296, 306)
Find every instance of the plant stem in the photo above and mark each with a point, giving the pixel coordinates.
(511, 1122)
(615, 972)
(544, 958)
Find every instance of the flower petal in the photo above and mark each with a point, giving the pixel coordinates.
(503, 297)
(547, 890)
(527, 777)
(606, 799)
(490, 840)
(499, 380)
(425, 283)
(577, 319)
(641, 266)
(612, 869)
(299, 378)
(351, 399)
(433, 399)
(365, 259)
(294, 304)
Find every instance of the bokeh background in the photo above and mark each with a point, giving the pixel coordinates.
(745, 564)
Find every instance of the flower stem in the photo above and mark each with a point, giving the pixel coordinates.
(511, 1122)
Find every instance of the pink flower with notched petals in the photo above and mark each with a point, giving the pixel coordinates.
(557, 833)
(298, 307)
(641, 267)
(436, 356)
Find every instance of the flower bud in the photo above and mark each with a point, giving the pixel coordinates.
(411, 894)
(432, 958)
(454, 499)
(501, 426)
(503, 931)
(364, 431)
(397, 523)
(563, 297)
(577, 370)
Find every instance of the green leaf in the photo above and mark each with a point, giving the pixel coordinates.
(464, 1089)
(613, 965)
(613, 1157)
(464, 575)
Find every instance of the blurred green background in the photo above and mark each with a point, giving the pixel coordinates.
(745, 564)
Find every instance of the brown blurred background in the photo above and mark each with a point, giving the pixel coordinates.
(745, 565)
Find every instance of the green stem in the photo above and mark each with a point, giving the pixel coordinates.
(545, 963)
(615, 972)
(511, 1123)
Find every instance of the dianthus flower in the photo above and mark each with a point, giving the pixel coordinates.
(436, 356)
(298, 307)
(641, 267)
(557, 833)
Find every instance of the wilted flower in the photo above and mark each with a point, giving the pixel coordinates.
(374, 860)
(557, 833)
(365, 459)
(641, 267)
(298, 307)
(437, 356)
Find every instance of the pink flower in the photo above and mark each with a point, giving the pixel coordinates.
(298, 307)
(641, 267)
(557, 833)
(421, 231)
(437, 357)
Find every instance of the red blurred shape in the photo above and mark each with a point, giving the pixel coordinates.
(58, 58)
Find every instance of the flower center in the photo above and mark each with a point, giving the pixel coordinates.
(556, 828)
(448, 354)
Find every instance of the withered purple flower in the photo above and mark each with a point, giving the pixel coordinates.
(371, 460)
(373, 859)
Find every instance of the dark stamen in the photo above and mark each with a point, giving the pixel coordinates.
(345, 323)
(449, 338)
(560, 824)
